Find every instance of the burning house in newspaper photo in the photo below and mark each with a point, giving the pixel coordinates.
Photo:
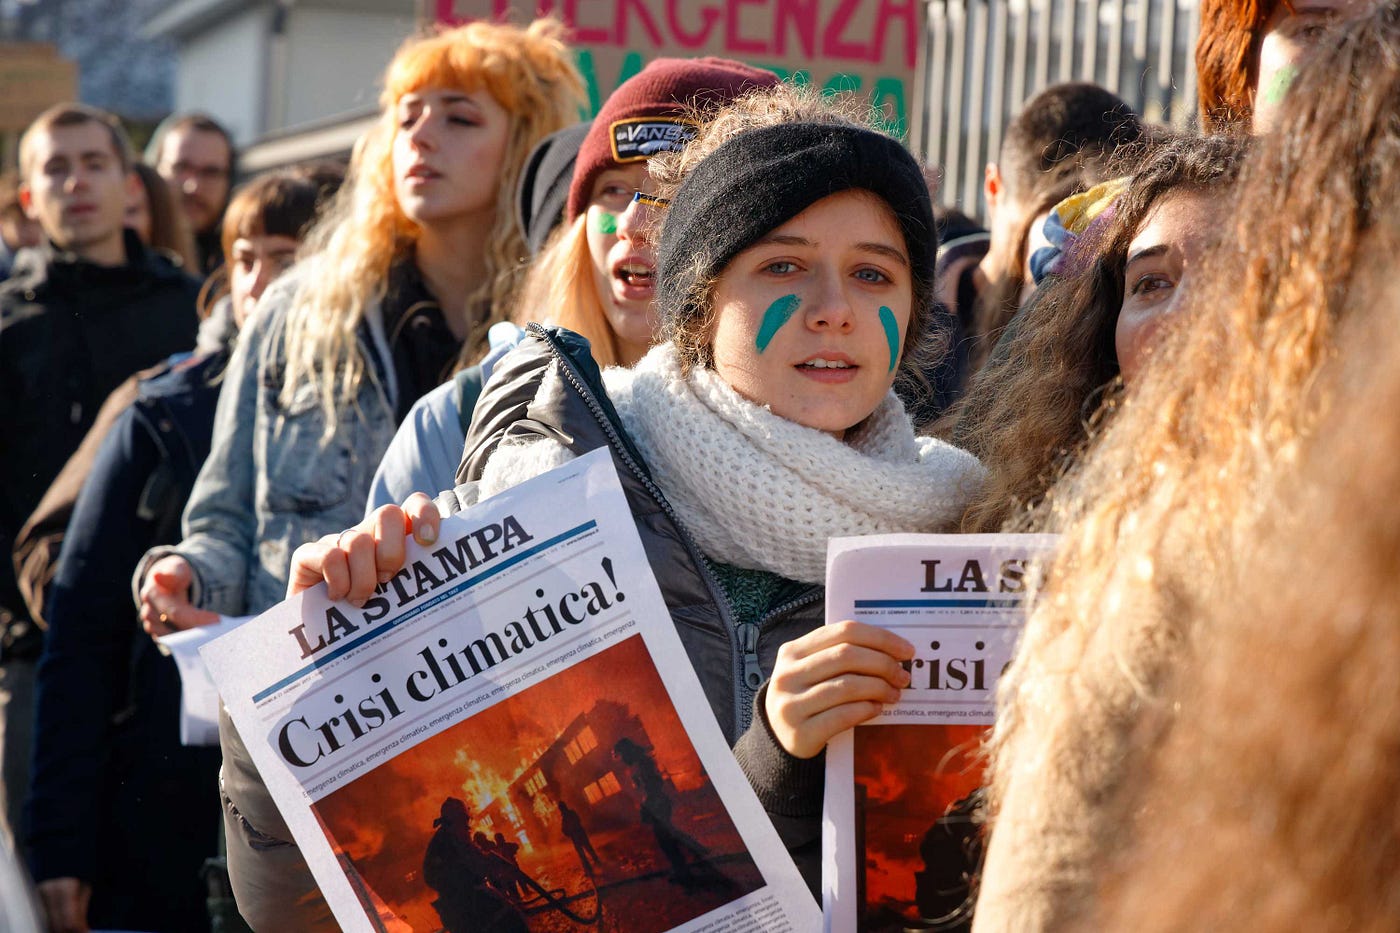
(915, 786)
(577, 803)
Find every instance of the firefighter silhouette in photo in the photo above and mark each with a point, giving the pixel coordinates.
(572, 827)
(501, 869)
(952, 854)
(465, 876)
(656, 810)
(509, 852)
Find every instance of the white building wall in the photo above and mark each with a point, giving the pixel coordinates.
(336, 58)
(221, 71)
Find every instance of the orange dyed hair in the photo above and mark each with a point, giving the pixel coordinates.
(1227, 60)
(530, 73)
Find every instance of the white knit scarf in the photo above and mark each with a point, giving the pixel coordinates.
(762, 492)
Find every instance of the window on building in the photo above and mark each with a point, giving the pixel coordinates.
(605, 786)
(582, 744)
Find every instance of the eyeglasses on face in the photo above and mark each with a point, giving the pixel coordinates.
(650, 200)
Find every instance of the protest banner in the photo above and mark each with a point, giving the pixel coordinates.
(898, 837)
(508, 735)
(868, 47)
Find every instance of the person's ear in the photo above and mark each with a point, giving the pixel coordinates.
(134, 188)
(26, 201)
(991, 186)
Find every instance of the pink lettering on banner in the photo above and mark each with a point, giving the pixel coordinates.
(909, 12)
(690, 40)
(800, 16)
(587, 34)
(644, 15)
(834, 46)
(733, 42)
(806, 29)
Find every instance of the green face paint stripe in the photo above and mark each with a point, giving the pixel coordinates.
(604, 222)
(778, 314)
(1279, 84)
(891, 334)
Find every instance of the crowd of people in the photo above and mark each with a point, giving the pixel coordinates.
(1161, 348)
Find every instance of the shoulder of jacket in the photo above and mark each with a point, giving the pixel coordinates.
(541, 350)
(177, 376)
(164, 269)
(23, 290)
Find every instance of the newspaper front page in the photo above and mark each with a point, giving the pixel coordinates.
(509, 736)
(897, 835)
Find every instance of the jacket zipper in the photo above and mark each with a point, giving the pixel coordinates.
(742, 711)
(753, 669)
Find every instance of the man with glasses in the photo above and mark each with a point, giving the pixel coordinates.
(195, 156)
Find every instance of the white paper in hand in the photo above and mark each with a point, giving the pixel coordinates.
(199, 698)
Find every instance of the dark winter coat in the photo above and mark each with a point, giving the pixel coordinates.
(116, 799)
(71, 332)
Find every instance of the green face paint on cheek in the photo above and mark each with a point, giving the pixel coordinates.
(778, 314)
(603, 222)
(891, 334)
(1279, 84)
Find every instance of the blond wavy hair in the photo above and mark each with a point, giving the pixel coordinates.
(1158, 513)
(530, 73)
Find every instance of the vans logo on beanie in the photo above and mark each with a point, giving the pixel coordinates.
(642, 137)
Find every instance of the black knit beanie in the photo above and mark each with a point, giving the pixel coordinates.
(760, 179)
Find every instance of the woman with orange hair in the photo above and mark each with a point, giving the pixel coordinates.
(413, 262)
(1249, 51)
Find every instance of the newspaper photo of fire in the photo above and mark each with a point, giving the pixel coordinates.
(578, 802)
(915, 790)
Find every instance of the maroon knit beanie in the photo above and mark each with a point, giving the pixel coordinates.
(643, 116)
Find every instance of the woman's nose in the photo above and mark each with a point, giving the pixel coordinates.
(422, 134)
(830, 308)
(633, 222)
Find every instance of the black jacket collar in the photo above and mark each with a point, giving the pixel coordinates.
(46, 266)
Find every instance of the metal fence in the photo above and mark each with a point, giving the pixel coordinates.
(984, 58)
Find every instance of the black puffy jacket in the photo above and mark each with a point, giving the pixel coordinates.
(70, 333)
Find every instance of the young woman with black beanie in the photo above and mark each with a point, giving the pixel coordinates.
(795, 275)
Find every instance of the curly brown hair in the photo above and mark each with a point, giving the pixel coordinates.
(1028, 412)
(1161, 510)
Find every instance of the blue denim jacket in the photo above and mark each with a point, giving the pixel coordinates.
(271, 482)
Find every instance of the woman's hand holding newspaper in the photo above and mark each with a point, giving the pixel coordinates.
(355, 561)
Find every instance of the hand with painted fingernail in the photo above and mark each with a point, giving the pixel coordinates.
(355, 561)
(832, 679)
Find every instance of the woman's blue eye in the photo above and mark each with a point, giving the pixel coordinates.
(781, 267)
(874, 276)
